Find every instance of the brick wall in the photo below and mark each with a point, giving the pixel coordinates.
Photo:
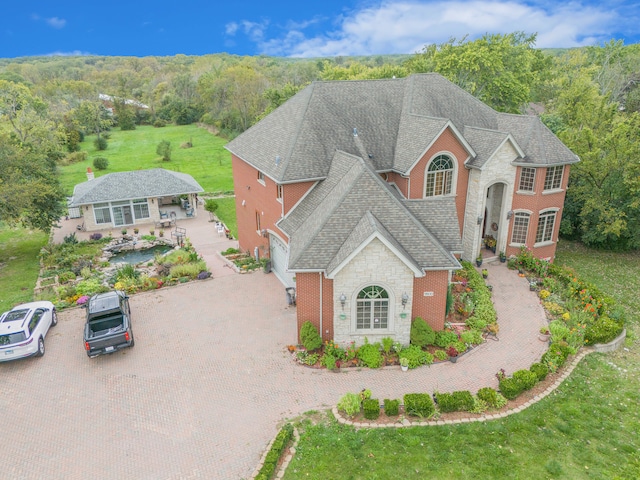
(448, 144)
(535, 203)
(308, 302)
(431, 308)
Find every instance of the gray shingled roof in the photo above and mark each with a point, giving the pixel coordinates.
(117, 186)
(346, 208)
(395, 120)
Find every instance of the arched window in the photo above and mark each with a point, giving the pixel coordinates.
(372, 307)
(439, 176)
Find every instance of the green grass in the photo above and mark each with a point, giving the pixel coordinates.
(19, 266)
(587, 428)
(226, 212)
(207, 161)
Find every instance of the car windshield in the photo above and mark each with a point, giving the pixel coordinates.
(12, 338)
(14, 315)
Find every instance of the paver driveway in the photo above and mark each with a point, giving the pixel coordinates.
(204, 389)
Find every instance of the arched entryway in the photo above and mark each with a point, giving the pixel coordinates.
(494, 228)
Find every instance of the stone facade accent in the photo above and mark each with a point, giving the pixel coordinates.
(375, 264)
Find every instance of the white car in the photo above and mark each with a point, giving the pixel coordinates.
(22, 330)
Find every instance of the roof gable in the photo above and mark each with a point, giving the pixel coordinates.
(156, 182)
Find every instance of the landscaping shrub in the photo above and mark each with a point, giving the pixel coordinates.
(526, 378)
(370, 356)
(75, 157)
(309, 336)
(159, 123)
(349, 404)
(510, 387)
(277, 448)
(603, 330)
(391, 407)
(371, 408)
(421, 333)
(444, 338)
(100, 163)
(328, 361)
(190, 270)
(440, 355)
(419, 405)
(387, 345)
(65, 277)
(460, 401)
(100, 143)
(540, 370)
(492, 398)
(95, 236)
(416, 356)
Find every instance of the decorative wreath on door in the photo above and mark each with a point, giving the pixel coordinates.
(494, 226)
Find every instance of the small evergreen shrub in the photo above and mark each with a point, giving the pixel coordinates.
(95, 236)
(510, 387)
(492, 398)
(349, 404)
(421, 333)
(540, 370)
(444, 338)
(391, 407)
(526, 378)
(419, 405)
(310, 337)
(603, 330)
(461, 401)
(100, 163)
(371, 408)
(100, 143)
(440, 355)
(159, 123)
(370, 356)
(416, 356)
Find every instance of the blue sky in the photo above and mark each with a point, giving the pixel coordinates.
(300, 29)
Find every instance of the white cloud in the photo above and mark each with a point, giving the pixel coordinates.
(406, 26)
(56, 22)
(74, 53)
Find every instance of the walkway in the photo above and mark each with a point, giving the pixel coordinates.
(206, 399)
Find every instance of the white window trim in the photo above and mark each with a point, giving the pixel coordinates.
(390, 312)
(454, 175)
(261, 179)
(555, 224)
(279, 192)
(528, 212)
(527, 192)
(553, 190)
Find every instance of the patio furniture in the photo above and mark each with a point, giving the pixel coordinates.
(179, 234)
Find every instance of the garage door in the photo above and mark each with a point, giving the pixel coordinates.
(278, 251)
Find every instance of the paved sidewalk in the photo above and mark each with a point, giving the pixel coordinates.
(210, 380)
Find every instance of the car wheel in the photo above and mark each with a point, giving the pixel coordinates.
(54, 318)
(40, 347)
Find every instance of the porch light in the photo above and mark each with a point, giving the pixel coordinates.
(343, 300)
(479, 220)
(509, 214)
(405, 299)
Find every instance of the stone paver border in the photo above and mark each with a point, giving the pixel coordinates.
(428, 423)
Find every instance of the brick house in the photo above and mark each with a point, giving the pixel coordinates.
(365, 195)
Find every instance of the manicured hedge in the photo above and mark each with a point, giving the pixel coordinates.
(461, 401)
(371, 408)
(277, 448)
(419, 405)
(391, 407)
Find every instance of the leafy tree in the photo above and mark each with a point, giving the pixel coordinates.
(93, 117)
(164, 150)
(500, 70)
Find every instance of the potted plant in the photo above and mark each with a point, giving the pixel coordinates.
(123, 231)
(404, 364)
(161, 233)
(544, 334)
(490, 243)
(533, 285)
(453, 354)
(152, 232)
(479, 259)
(485, 273)
(493, 329)
(503, 257)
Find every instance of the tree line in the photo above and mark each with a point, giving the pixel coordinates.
(589, 97)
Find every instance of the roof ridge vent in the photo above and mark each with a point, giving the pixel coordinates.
(277, 160)
(355, 132)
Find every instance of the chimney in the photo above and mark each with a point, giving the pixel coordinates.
(90, 175)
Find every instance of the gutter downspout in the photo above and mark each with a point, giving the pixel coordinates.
(321, 328)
